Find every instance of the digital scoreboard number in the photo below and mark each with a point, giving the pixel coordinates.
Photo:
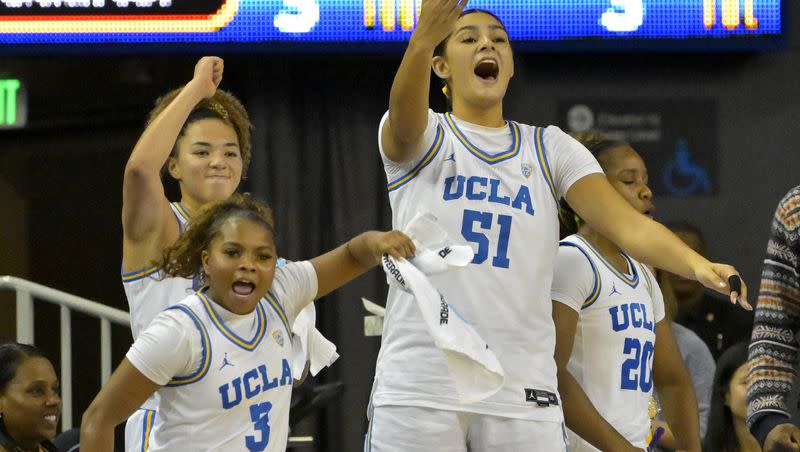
(370, 23)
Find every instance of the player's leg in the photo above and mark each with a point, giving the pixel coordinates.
(502, 434)
(409, 428)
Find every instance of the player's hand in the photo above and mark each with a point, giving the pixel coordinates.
(394, 243)
(783, 438)
(436, 20)
(716, 276)
(208, 75)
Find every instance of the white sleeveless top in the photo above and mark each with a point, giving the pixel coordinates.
(226, 378)
(496, 189)
(612, 356)
(148, 293)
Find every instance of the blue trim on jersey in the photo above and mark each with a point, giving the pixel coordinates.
(139, 274)
(598, 284)
(426, 159)
(480, 153)
(205, 342)
(544, 164)
(136, 275)
(245, 344)
(182, 211)
(632, 281)
(278, 307)
(147, 428)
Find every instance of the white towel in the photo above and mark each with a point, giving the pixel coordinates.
(475, 369)
(373, 324)
(310, 345)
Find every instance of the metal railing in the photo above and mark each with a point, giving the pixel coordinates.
(26, 291)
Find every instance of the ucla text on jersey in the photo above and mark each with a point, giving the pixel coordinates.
(254, 381)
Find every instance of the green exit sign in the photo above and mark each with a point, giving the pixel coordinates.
(13, 104)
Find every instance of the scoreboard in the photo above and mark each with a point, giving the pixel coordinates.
(374, 25)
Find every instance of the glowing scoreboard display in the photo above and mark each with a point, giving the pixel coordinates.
(370, 24)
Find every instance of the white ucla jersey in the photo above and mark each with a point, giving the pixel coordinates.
(148, 293)
(226, 379)
(612, 356)
(497, 189)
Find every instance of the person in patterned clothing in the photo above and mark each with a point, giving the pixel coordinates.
(774, 348)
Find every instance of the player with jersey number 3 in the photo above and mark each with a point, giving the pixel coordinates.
(494, 183)
(220, 358)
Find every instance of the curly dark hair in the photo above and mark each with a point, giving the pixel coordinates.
(223, 106)
(184, 257)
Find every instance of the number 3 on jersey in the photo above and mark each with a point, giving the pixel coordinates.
(259, 414)
(474, 222)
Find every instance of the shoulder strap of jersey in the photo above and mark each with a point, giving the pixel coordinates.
(544, 164)
(648, 276)
(205, 342)
(181, 214)
(596, 287)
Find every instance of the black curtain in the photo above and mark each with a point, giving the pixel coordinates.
(316, 161)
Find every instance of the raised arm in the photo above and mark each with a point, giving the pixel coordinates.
(343, 264)
(675, 390)
(593, 198)
(408, 100)
(144, 208)
(580, 414)
(124, 393)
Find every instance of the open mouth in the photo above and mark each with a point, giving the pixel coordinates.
(51, 418)
(243, 287)
(487, 69)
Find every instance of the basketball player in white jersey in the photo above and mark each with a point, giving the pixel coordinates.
(201, 137)
(612, 342)
(220, 359)
(495, 184)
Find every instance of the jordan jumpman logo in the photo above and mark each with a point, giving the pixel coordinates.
(225, 362)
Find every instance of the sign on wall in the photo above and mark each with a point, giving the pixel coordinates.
(13, 104)
(676, 138)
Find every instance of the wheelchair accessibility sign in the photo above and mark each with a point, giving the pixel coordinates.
(683, 177)
(675, 137)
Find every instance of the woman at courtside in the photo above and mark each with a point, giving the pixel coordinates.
(30, 404)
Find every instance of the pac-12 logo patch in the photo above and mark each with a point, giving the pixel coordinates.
(526, 170)
(278, 336)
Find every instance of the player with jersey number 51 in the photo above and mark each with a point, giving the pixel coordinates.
(495, 183)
